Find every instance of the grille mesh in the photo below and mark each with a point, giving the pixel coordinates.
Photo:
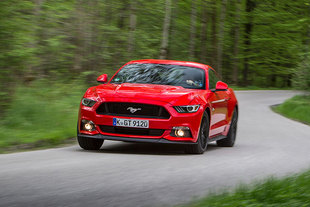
(133, 110)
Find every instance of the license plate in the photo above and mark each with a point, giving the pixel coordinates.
(135, 123)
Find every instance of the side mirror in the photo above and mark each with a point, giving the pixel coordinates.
(221, 86)
(103, 78)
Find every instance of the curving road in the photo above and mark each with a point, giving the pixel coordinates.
(127, 174)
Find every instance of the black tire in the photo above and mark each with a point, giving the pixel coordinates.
(90, 143)
(230, 140)
(202, 142)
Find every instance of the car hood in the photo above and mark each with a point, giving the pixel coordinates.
(169, 94)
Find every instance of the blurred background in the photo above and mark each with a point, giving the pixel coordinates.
(52, 50)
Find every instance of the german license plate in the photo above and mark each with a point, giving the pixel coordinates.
(135, 123)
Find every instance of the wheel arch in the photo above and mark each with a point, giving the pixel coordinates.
(237, 108)
(207, 109)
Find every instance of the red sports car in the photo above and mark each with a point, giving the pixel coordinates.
(159, 101)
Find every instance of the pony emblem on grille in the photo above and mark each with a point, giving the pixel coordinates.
(133, 110)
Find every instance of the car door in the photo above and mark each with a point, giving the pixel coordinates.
(218, 101)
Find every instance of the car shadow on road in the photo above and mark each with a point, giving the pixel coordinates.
(148, 149)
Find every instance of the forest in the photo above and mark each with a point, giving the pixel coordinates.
(249, 42)
(57, 46)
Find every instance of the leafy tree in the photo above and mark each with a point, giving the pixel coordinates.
(250, 42)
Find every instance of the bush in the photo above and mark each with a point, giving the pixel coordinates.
(43, 112)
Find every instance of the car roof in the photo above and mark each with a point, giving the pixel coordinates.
(170, 62)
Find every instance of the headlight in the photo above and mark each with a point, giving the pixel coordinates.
(88, 102)
(187, 109)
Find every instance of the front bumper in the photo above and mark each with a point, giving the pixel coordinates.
(129, 139)
(192, 121)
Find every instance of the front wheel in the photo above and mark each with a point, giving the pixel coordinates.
(229, 141)
(90, 143)
(202, 141)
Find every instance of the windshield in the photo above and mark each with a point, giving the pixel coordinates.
(162, 74)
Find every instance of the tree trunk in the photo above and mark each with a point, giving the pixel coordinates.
(203, 56)
(273, 78)
(108, 12)
(132, 27)
(193, 30)
(214, 36)
(221, 38)
(90, 40)
(306, 58)
(307, 52)
(166, 28)
(122, 14)
(250, 6)
(236, 42)
(79, 37)
(95, 40)
(173, 28)
(32, 71)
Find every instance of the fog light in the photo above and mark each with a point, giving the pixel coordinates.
(88, 125)
(181, 132)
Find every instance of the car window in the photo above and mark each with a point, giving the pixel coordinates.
(213, 79)
(162, 74)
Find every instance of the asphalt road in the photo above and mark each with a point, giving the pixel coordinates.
(127, 174)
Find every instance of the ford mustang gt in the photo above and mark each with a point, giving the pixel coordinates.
(159, 101)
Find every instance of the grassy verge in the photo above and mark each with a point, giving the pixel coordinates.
(41, 115)
(291, 191)
(242, 88)
(297, 108)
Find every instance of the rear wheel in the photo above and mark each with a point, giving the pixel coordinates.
(202, 141)
(229, 141)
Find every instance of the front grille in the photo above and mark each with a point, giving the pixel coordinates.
(138, 110)
(131, 131)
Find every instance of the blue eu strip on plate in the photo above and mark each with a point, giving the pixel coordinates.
(114, 121)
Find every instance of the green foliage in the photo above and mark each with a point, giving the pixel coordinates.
(242, 88)
(65, 38)
(292, 191)
(297, 108)
(277, 40)
(42, 111)
(61, 40)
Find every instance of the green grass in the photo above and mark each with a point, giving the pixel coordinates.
(297, 108)
(42, 114)
(241, 88)
(292, 191)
